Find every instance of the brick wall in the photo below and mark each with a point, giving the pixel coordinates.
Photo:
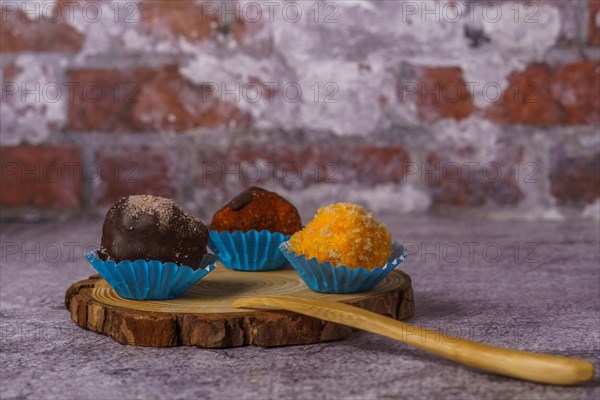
(488, 108)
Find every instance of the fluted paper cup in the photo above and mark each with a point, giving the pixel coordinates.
(326, 278)
(249, 251)
(150, 280)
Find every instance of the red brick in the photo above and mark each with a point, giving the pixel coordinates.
(20, 34)
(380, 164)
(145, 99)
(170, 102)
(139, 170)
(291, 167)
(41, 176)
(454, 180)
(173, 19)
(594, 22)
(442, 93)
(574, 180)
(576, 87)
(103, 99)
(542, 95)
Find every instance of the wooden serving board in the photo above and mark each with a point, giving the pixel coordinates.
(203, 317)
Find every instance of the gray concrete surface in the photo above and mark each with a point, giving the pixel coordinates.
(531, 286)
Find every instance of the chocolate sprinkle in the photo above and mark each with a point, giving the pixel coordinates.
(243, 199)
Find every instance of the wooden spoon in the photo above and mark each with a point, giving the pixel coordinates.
(535, 367)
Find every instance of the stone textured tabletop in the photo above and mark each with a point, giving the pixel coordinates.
(531, 286)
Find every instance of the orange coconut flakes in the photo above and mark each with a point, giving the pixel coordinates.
(344, 234)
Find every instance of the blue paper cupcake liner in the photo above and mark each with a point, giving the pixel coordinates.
(326, 278)
(150, 280)
(249, 251)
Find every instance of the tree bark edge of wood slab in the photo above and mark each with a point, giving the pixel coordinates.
(221, 330)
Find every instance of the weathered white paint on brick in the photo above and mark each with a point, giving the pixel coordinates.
(380, 38)
(39, 103)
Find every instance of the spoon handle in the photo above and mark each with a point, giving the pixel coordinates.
(535, 367)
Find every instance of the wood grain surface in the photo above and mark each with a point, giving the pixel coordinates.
(204, 317)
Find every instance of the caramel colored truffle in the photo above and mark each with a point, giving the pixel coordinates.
(344, 234)
(152, 228)
(258, 209)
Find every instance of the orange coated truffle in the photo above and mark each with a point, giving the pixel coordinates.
(259, 209)
(344, 234)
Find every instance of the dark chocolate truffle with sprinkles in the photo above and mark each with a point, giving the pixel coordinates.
(152, 228)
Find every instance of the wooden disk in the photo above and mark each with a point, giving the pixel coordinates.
(204, 317)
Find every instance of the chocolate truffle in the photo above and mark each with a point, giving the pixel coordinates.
(344, 234)
(259, 209)
(152, 228)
